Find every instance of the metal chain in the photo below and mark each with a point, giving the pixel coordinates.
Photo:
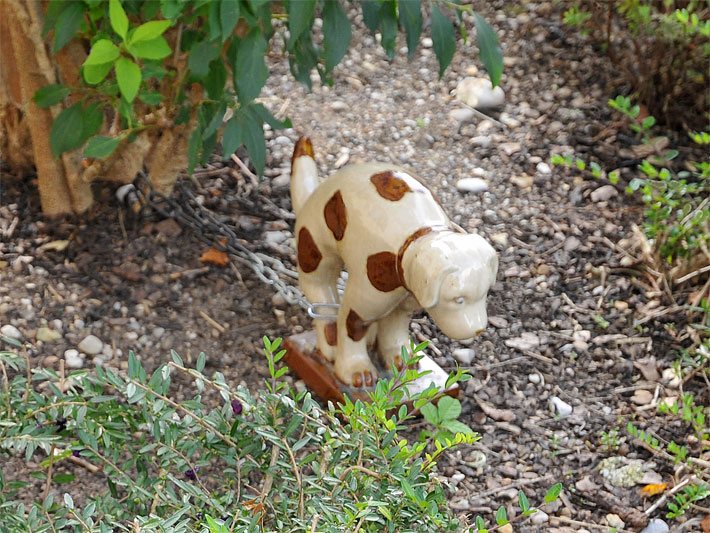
(209, 228)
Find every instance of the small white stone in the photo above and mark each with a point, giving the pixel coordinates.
(482, 141)
(464, 355)
(458, 477)
(539, 517)
(11, 331)
(615, 521)
(91, 345)
(534, 378)
(281, 181)
(73, 359)
(479, 93)
(338, 105)
(471, 185)
(560, 407)
(604, 193)
(427, 42)
(656, 525)
(543, 168)
(461, 115)
(47, 335)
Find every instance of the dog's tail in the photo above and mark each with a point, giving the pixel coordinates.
(304, 173)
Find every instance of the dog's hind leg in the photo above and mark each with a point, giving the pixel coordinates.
(320, 287)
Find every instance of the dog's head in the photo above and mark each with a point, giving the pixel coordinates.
(450, 274)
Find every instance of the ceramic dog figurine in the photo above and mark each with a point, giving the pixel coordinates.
(401, 252)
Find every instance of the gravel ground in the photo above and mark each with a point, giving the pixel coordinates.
(563, 360)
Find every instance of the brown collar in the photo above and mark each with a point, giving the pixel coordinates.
(418, 234)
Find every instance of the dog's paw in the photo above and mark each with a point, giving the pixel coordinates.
(356, 371)
(393, 358)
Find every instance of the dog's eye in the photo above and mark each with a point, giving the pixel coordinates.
(460, 300)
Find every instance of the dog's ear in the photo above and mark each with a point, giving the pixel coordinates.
(425, 276)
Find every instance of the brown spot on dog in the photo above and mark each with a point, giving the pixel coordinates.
(382, 271)
(355, 326)
(331, 333)
(390, 186)
(335, 215)
(407, 243)
(309, 255)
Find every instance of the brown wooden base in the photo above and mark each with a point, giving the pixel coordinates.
(306, 361)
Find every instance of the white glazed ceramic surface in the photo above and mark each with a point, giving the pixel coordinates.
(401, 252)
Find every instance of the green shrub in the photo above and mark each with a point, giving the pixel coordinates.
(660, 49)
(275, 459)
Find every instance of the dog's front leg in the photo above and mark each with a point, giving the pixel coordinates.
(392, 334)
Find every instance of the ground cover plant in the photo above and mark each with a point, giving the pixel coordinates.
(225, 459)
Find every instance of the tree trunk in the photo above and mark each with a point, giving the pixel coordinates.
(65, 183)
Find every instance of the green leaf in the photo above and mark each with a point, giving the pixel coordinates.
(501, 516)
(95, 74)
(449, 408)
(102, 51)
(118, 18)
(193, 153)
(228, 16)
(50, 95)
(250, 70)
(254, 141)
(68, 23)
(100, 147)
(91, 122)
(65, 134)
(454, 426)
(231, 138)
(62, 478)
(300, 18)
(442, 33)
(157, 48)
(553, 493)
(430, 414)
(371, 14)
(336, 33)
(480, 524)
(215, 80)
(388, 27)
(201, 55)
(266, 116)
(149, 31)
(410, 17)
(128, 76)
(489, 48)
(523, 501)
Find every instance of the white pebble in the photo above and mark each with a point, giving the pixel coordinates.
(73, 359)
(11, 331)
(479, 93)
(464, 355)
(560, 407)
(91, 345)
(461, 115)
(471, 185)
(539, 517)
(604, 193)
(543, 168)
(427, 42)
(656, 525)
(534, 378)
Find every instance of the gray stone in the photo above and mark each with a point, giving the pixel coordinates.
(471, 185)
(604, 193)
(45, 334)
(72, 359)
(462, 114)
(479, 93)
(560, 407)
(91, 345)
(464, 355)
(656, 525)
(539, 517)
(11, 331)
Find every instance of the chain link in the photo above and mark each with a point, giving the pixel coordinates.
(209, 228)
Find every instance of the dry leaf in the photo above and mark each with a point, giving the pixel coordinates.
(56, 246)
(706, 524)
(653, 489)
(214, 257)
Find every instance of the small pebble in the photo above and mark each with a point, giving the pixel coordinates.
(427, 42)
(45, 334)
(91, 345)
(615, 521)
(560, 407)
(604, 193)
(11, 331)
(543, 168)
(642, 397)
(656, 525)
(73, 359)
(534, 378)
(471, 185)
(479, 93)
(539, 517)
(462, 115)
(464, 355)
